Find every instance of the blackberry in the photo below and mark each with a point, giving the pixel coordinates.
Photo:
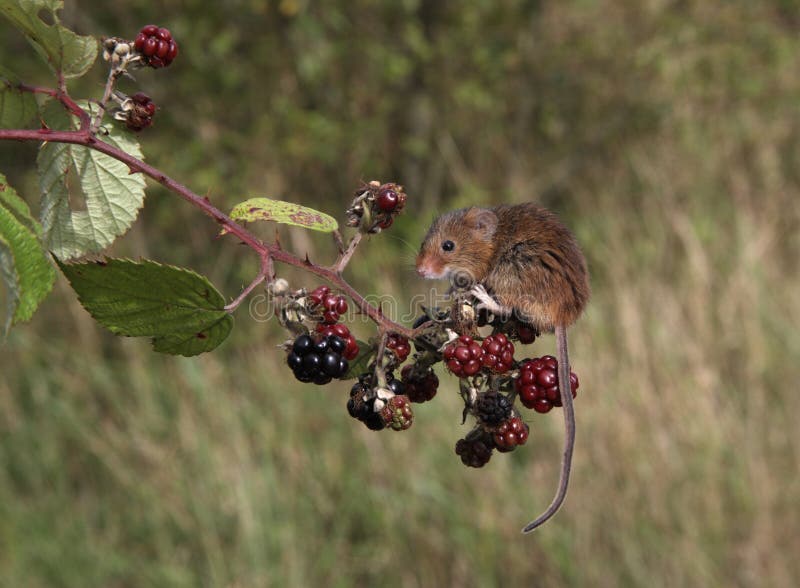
(498, 353)
(463, 356)
(475, 451)
(421, 386)
(397, 413)
(139, 113)
(510, 434)
(156, 45)
(331, 306)
(396, 386)
(341, 331)
(492, 409)
(364, 410)
(399, 345)
(537, 384)
(317, 361)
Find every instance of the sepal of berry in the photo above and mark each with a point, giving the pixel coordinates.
(421, 385)
(463, 357)
(397, 413)
(475, 450)
(498, 353)
(510, 434)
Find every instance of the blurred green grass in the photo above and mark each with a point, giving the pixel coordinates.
(667, 136)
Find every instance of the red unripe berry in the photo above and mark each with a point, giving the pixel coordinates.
(164, 34)
(150, 46)
(387, 200)
(537, 384)
(526, 334)
(149, 30)
(510, 434)
(162, 50)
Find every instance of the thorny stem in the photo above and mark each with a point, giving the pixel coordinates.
(265, 273)
(345, 256)
(86, 137)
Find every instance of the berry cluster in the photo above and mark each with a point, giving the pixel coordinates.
(139, 112)
(332, 305)
(397, 413)
(156, 45)
(421, 386)
(492, 409)
(463, 356)
(510, 434)
(399, 345)
(537, 384)
(317, 360)
(498, 353)
(475, 451)
(339, 330)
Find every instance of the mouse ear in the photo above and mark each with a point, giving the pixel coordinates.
(483, 221)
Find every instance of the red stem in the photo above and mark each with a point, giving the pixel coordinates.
(86, 138)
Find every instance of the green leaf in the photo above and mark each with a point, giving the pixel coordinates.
(360, 363)
(8, 275)
(180, 309)
(24, 267)
(17, 108)
(112, 195)
(288, 213)
(63, 50)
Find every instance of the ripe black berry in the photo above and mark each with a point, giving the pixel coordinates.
(156, 45)
(498, 353)
(420, 386)
(537, 384)
(317, 361)
(463, 357)
(492, 408)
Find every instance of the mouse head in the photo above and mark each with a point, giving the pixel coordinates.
(459, 242)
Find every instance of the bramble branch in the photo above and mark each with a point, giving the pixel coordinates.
(86, 137)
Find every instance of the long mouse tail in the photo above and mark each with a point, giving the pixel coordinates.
(565, 391)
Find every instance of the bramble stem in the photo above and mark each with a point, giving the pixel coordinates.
(86, 137)
(113, 75)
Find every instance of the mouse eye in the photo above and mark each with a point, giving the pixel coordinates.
(448, 245)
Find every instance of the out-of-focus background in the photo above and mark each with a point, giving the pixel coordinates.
(667, 136)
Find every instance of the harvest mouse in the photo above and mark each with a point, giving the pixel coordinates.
(518, 260)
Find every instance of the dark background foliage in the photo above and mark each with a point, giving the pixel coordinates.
(666, 134)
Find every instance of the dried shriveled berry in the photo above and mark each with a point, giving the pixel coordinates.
(421, 386)
(475, 451)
